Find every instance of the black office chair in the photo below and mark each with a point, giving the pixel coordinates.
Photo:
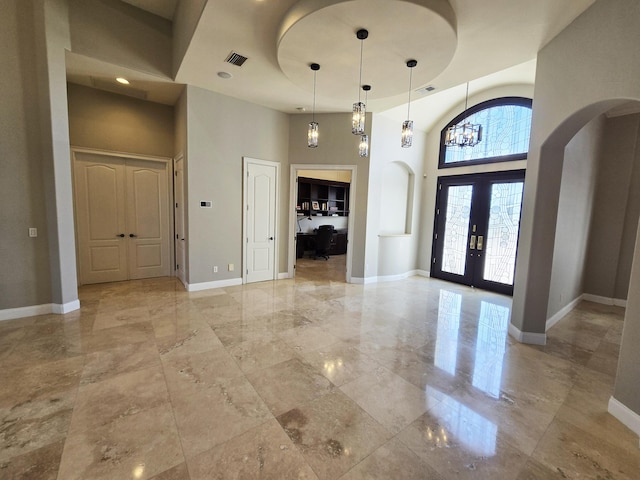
(324, 236)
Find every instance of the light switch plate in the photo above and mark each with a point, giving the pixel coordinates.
(33, 232)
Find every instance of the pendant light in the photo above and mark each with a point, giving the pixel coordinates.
(363, 146)
(407, 125)
(359, 108)
(465, 134)
(312, 133)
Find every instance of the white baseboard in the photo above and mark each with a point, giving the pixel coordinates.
(623, 413)
(283, 276)
(527, 337)
(44, 309)
(618, 302)
(363, 281)
(393, 278)
(66, 307)
(562, 312)
(196, 287)
(389, 278)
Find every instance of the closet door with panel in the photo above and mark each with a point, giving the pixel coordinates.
(122, 218)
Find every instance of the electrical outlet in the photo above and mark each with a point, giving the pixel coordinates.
(231, 267)
(215, 269)
(33, 232)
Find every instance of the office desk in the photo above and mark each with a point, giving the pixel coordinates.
(306, 242)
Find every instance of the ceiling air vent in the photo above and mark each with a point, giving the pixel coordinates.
(427, 89)
(236, 59)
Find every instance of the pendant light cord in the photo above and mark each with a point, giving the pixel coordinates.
(313, 112)
(466, 103)
(360, 81)
(409, 104)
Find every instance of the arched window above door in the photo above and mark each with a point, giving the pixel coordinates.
(506, 127)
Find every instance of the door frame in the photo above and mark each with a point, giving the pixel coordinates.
(168, 161)
(436, 245)
(293, 214)
(183, 208)
(246, 161)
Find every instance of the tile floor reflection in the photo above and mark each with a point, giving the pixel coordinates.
(309, 378)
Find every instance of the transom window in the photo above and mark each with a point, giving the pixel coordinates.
(506, 127)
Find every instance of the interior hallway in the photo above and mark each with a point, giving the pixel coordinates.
(308, 378)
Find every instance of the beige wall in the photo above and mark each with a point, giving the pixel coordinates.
(336, 175)
(185, 21)
(336, 146)
(388, 256)
(25, 278)
(121, 34)
(575, 210)
(615, 217)
(214, 168)
(108, 121)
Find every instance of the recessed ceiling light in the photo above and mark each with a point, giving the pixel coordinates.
(224, 75)
(122, 80)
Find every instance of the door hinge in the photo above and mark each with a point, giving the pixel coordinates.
(434, 260)
(437, 211)
(176, 204)
(440, 187)
(176, 236)
(436, 236)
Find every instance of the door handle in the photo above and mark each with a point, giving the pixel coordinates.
(121, 235)
(131, 235)
(480, 241)
(472, 243)
(270, 238)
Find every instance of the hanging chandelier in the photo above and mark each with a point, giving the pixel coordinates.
(465, 134)
(407, 125)
(312, 132)
(359, 108)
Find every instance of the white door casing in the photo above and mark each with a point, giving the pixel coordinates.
(122, 217)
(293, 199)
(180, 233)
(260, 220)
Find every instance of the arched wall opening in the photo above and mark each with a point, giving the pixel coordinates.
(615, 178)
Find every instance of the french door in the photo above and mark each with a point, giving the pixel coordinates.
(477, 223)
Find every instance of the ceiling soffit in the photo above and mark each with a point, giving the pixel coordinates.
(324, 32)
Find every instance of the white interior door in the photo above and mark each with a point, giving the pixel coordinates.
(260, 224)
(147, 219)
(178, 186)
(100, 212)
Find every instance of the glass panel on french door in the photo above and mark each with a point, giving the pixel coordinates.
(502, 233)
(456, 230)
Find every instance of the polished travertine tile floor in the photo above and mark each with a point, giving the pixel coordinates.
(308, 378)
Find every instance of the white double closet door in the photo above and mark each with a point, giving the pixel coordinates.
(122, 215)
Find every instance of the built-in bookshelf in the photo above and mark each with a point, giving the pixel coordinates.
(322, 198)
